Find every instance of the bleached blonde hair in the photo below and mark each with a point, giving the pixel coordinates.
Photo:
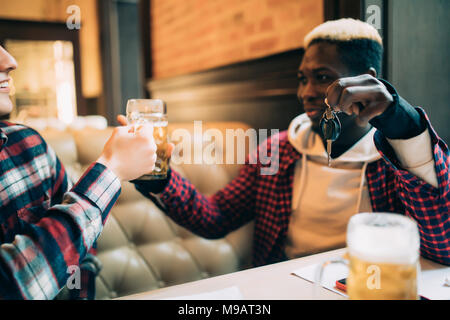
(345, 29)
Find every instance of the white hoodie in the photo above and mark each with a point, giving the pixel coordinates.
(324, 198)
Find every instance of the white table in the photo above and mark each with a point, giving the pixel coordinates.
(271, 282)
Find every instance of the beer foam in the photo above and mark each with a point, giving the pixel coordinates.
(383, 238)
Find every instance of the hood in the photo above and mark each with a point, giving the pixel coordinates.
(309, 143)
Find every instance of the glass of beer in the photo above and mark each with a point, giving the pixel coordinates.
(383, 252)
(140, 111)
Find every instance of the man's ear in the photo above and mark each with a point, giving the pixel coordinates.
(372, 72)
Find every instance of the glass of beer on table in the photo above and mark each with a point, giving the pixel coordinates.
(140, 111)
(383, 251)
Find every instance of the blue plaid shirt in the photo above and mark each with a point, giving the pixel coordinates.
(47, 226)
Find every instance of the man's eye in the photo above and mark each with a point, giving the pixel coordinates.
(301, 79)
(323, 78)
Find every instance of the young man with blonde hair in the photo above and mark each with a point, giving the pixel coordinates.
(387, 159)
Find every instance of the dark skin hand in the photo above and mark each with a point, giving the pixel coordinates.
(361, 97)
(364, 96)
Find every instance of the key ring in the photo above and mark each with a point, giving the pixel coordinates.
(330, 124)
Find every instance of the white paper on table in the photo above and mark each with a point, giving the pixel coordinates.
(331, 274)
(431, 282)
(231, 293)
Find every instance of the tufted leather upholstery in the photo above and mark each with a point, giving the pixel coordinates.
(140, 248)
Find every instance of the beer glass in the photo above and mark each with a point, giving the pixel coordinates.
(382, 256)
(140, 111)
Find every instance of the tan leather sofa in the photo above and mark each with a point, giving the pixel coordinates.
(140, 248)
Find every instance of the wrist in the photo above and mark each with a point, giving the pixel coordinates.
(109, 164)
(153, 186)
(399, 120)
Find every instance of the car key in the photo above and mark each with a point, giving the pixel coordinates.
(331, 128)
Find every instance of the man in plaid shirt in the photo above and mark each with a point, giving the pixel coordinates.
(387, 159)
(47, 227)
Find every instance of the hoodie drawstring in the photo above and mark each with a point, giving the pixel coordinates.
(361, 185)
(301, 183)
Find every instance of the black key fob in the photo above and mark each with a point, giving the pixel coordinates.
(331, 128)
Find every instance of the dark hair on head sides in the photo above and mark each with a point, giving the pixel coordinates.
(359, 55)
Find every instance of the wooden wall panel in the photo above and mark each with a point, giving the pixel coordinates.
(260, 92)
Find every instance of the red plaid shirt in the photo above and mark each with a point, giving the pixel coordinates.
(266, 199)
(46, 226)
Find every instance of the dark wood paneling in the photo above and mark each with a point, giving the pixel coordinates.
(336, 9)
(110, 57)
(146, 39)
(260, 92)
(122, 54)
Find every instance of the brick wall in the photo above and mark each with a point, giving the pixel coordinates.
(194, 35)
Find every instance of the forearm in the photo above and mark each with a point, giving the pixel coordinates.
(407, 133)
(35, 264)
(400, 120)
(191, 209)
(423, 190)
(415, 155)
(209, 217)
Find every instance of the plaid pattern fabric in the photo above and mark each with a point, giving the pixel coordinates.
(267, 200)
(46, 225)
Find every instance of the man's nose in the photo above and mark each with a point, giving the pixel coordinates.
(7, 61)
(307, 92)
